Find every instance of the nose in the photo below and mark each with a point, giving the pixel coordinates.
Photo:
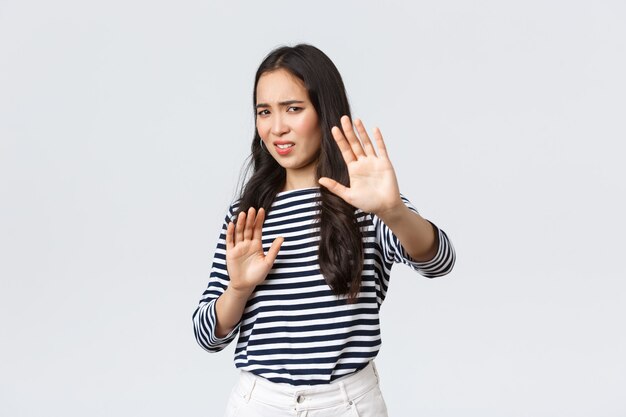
(279, 126)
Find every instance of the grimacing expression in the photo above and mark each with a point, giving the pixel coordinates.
(286, 117)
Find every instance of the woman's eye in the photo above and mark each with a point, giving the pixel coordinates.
(295, 108)
(262, 113)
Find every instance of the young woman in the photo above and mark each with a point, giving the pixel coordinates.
(303, 260)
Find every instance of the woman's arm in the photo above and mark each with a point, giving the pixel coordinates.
(374, 189)
(239, 266)
(416, 234)
(247, 267)
(229, 309)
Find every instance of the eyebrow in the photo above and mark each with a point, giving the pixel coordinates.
(280, 103)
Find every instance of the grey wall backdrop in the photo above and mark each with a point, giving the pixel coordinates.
(123, 129)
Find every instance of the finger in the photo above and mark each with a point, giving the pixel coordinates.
(273, 250)
(335, 187)
(344, 146)
(249, 229)
(368, 146)
(229, 235)
(241, 221)
(380, 143)
(348, 131)
(258, 224)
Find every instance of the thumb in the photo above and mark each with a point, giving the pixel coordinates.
(334, 187)
(272, 252)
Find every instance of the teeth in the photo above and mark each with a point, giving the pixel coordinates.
(285, 146)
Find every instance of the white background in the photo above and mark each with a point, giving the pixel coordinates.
(124, 126)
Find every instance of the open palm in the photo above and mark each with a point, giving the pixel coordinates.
(373, 183)
(245, 260)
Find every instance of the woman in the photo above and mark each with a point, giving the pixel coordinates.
(303, 260)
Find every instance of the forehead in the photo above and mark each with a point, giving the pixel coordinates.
(280, 85)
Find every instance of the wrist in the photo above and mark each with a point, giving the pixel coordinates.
(240, 293)
(392, 213)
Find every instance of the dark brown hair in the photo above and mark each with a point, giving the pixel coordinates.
(340, 247)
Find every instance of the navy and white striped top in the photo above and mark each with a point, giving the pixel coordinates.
(294, 330)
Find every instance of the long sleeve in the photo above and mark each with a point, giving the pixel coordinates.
(393, 251)
(204, 317)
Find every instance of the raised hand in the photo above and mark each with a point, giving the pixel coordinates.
(246, 263)
(373, 184)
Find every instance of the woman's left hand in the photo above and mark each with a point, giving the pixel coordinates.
(373, 184)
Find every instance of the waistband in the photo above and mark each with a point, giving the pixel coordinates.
(340, 391)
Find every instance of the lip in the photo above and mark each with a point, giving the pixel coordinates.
(283, 151)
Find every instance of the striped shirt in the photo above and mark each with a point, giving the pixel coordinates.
(294, 330)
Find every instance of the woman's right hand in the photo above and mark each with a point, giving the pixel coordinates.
(246, 263)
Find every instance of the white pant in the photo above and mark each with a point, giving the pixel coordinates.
(355, 395)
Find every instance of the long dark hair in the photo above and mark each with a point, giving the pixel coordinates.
(340, 247)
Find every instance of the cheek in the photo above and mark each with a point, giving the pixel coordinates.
(310, 128)
(262, 130)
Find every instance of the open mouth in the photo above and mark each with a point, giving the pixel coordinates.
(284, 148)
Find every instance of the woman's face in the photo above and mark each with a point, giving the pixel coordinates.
(285, 116)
